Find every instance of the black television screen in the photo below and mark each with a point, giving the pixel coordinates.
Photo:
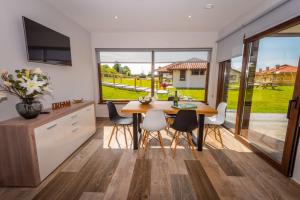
(45, 45)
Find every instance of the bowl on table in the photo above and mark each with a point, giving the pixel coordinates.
(145, 100)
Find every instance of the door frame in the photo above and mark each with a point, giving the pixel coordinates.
(291, 141)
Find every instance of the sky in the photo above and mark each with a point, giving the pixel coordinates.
(278, 51)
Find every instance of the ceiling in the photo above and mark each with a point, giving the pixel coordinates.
(156, 15)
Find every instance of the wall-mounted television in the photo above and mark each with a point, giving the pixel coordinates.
(45, 45)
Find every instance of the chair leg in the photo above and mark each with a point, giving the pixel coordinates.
(220, 136)
(146, 140)
(161, 142)
(215, 132)
(176, 142)
(129, 131)
(125, 136)
(190, 141)
(142, 138)
(174, 136)
(111, 135)
(206, 132)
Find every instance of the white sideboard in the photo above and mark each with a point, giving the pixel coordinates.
(35, 148)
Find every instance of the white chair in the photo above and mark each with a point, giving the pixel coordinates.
(213, 123)
(153, 122)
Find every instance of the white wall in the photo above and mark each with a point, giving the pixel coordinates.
(156, 40)
(67, 82)
(191, 81)
(232, 45)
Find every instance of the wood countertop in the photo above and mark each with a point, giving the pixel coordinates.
(44, 118)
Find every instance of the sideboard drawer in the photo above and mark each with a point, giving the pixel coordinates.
(57, 140)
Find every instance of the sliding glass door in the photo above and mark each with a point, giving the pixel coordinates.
(270, 104)
(230, 76)
(262, 89)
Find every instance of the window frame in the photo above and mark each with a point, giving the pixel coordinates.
(182, 75)
(197, 72)
(153, 51)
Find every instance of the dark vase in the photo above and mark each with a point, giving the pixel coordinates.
(29, 108)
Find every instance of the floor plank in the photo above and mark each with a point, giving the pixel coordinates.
(122, 177)
(182, 188)
(141, 180)
(201, 183)
(225, 162)
(83, 156)
(92, 196)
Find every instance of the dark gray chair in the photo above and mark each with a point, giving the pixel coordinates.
(118, 121)
(185, 122)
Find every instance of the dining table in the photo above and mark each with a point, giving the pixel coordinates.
(135, 108)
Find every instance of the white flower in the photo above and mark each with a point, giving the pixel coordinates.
(32, 85)
(47, 89)
(37, 71)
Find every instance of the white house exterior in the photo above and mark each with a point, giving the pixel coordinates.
(188, 74)
(191, 81)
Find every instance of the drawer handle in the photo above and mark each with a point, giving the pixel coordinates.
(88, 109)
(74, 130)
(73, 116)
(50, 127)
(74, 123)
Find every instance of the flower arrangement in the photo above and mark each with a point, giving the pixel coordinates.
(25, 84)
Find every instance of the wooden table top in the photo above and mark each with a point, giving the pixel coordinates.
(166, 106)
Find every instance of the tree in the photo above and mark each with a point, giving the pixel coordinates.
(105, 69)
(126, 70)
(118, 67)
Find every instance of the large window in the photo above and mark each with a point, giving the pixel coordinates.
(128, 74)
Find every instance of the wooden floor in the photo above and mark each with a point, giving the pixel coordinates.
(98, 172)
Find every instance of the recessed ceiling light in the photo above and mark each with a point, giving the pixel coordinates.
(190, 16)
(116, 17)
(209, 6)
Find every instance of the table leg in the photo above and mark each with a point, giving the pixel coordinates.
(199, 140)
(139, 122)
(135, 131)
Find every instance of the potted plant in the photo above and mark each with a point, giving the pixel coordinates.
(28, 85)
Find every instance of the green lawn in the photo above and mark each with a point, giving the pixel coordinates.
(264, 100)
(110, 93)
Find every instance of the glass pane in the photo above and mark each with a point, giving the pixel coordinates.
(175, 71)
(271, 73)
(232, 79)
(124, 57)
(126, 80)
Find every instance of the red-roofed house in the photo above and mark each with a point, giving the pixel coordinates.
(280, 74)
(188, 74)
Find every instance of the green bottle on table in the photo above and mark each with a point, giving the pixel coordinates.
(176, 99)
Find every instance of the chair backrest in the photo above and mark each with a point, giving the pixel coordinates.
(171, 98)
(112, 111)
(154, 119)
(221, 112)
(185, 121)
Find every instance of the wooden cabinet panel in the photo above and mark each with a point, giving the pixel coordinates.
(32, 149)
